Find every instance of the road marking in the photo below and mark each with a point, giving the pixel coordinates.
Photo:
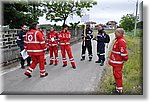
(10, 70)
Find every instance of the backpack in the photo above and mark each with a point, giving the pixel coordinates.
(107, 38)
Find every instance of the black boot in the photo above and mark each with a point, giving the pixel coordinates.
(117, 92)
(74, 67)
(83, 58)
(46, 74)
(28, 61)
(90, 58)
(29, 75)
(28, 64)
(98, 61)
(102, 63)
(22, 67)
(22, 62)
(64, 65)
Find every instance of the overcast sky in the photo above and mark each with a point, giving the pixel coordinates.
(105, 10)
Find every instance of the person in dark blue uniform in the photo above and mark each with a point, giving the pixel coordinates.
(100, 44)
(87, 43)
(20, 43)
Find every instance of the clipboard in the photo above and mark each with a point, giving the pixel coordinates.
(24, 54)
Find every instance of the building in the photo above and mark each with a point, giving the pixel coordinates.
(111, 25)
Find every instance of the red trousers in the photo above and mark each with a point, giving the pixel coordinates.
(117, 72)
(35, 60)
(64, 49)
(53, 50)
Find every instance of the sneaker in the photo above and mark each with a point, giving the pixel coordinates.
(46, 74)
(64, 65)
(29, 75)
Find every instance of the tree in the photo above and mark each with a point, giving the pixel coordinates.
(127, 22)
(19, 13)
(59, 10)
(74, 26)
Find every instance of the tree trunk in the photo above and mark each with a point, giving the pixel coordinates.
(65, 18)
(64, 22)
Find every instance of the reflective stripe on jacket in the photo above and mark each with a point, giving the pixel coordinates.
(119, 53)
(34, 42)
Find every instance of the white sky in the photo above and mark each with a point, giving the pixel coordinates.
(104, 11)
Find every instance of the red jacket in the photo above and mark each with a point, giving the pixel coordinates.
(52, 38)
(119, 53)
(64, 37)
(34, 42)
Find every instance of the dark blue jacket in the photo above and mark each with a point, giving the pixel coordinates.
(20, 40)
(101, 42)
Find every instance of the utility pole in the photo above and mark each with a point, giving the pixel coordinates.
(136, 18)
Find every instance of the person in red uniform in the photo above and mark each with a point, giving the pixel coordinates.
(42, 31)
(118, 56)
(64, 38)
(36, 47)
(52, 40)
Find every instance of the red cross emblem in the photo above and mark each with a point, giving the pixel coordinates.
(30, 38)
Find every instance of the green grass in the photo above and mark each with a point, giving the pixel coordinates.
(110, 31)
(107, 31)
(139, 33)
(132, 71)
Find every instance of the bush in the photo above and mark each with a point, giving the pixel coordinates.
(139, 33)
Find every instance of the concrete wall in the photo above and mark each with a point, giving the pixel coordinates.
(8, 45)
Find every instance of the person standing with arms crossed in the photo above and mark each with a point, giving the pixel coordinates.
(101, 40)
(118, 56)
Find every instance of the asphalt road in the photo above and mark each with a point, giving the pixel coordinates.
(60, 80)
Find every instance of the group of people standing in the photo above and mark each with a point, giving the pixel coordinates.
(63, 39)
(102, 38)
(35, 44)
(118, 55)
